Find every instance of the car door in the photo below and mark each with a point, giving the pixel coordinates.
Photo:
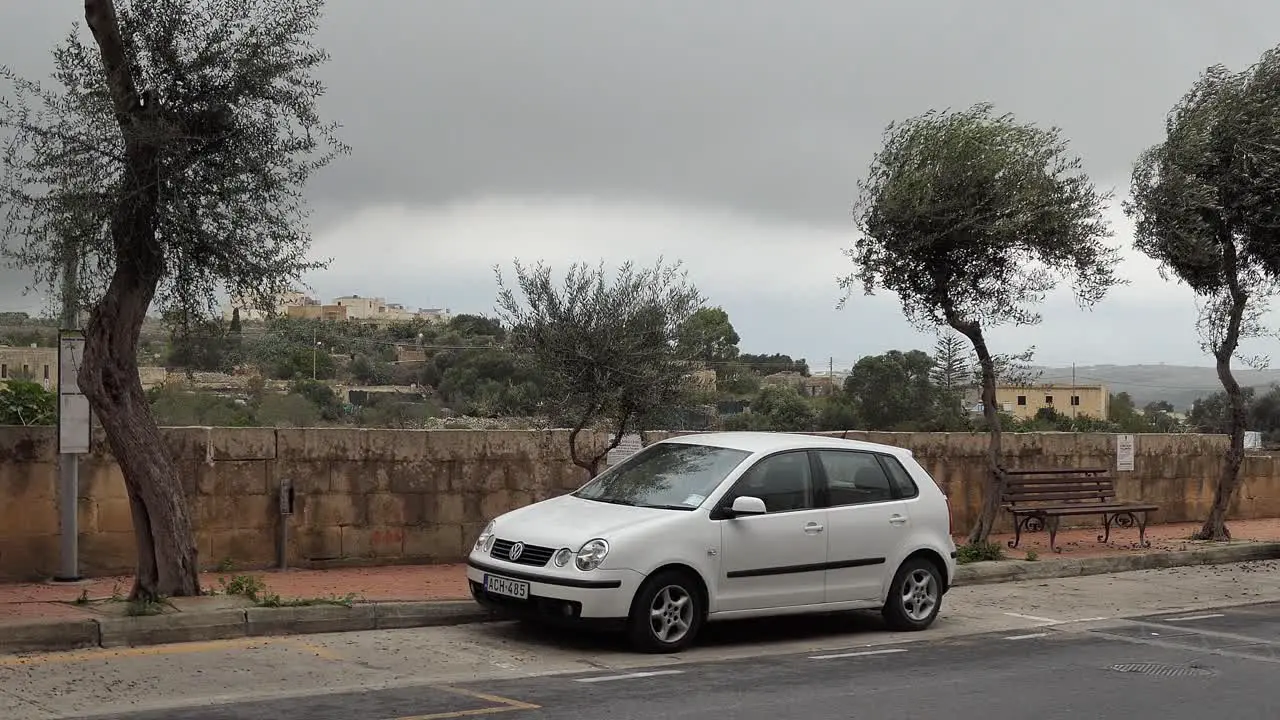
(775, 559)
(867, 523)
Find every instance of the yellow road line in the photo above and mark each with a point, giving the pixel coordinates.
(91, 654)
(501, 705)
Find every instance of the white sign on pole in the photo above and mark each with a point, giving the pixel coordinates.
(1124, 453)
(1252, 440)
(74, 430)
(628, 446)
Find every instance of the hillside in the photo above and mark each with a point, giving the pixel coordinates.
(1177, 384)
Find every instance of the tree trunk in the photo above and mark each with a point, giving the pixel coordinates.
(168, 564)
(168, 561)
(1215, 526)
(994, 487)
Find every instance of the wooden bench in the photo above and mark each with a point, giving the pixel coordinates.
(1038, 499)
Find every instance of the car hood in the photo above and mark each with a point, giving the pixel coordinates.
(567, 521)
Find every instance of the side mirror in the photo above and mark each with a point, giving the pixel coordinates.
(747, 505)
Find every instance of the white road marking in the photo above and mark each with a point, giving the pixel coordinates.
(1033, 617)
(1187, 618)
(862, 653)
(1027, 637)
(629, 676)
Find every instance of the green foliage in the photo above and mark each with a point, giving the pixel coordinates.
(229, 121)
(769, 364)
(894, 391)
(707, 335)
(605, 352)
(23, 402)
(982, 551)
(784, 409)
(971, 217)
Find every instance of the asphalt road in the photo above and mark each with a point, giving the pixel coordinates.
(1222, 662)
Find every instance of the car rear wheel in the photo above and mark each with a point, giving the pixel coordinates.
(915, 596)
(666, 614)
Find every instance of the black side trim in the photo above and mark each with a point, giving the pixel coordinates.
(531, 577)
(815, 567)
(953, 554)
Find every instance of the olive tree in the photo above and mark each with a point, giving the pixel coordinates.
(609, 353)
(1206, 206)
(971, 218)
(163, 164)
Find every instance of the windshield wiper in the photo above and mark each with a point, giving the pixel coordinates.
(611, 501)
(668, 507)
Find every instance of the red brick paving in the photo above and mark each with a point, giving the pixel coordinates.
(43, 601)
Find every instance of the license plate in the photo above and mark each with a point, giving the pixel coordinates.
(503, 586)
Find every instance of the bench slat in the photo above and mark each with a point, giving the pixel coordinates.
(1082, 509)
(1059, 480)
(1055, 471)
(1059, 487)
(1058, 499)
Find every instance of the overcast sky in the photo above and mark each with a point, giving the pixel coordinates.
(727, 133)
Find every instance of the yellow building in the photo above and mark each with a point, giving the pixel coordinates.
(38, 364)
(1024, 402)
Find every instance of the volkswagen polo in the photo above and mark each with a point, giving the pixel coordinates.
(716, 526)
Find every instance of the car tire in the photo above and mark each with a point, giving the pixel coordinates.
(915, 596)
(677, 596)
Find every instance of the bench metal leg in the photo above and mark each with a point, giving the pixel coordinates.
(1142, 531)
(1030, 523)
(1125, 520)
(1051, 522)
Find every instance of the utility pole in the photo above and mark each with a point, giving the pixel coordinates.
(314, 345)
(68, 460)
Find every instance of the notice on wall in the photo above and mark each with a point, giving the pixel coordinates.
(629, 445)
(1252, 440)
(1124, 453)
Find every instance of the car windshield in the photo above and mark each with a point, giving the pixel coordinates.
(675, 476)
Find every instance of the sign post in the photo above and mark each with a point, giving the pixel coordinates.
(74, 435)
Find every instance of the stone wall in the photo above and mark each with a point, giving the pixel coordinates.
(392, 496)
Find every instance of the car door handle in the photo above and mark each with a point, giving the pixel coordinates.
(813, 528)
(897, 520)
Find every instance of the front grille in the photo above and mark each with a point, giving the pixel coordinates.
(531, 555)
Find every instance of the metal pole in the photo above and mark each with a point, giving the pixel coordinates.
(313, 354)
(68, 463)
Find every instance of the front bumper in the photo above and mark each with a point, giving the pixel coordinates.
(599, 597)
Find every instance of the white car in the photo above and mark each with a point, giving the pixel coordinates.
(721, 526)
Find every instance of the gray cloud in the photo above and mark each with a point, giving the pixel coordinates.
(766, 110)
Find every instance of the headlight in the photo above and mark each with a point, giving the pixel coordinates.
(562, 557)
(593, 553)
(485, 541)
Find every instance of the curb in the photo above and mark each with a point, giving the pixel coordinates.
(1001, 571)
(200, 626)
(227, 624)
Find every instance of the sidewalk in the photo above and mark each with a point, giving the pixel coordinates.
(408, 595)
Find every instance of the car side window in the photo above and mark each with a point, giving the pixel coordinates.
(854, 478)
(901, 479)
(782, 481)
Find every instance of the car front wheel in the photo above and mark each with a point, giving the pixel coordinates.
(915, 597)
(666, 614)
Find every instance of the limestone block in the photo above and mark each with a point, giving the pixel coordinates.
(437, 543)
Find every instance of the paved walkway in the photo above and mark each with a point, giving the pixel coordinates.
(27, 602)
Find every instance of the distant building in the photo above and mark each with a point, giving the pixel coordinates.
(1024, 401)
(38, 364)
(283, 303)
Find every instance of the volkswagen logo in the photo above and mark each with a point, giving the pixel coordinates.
(515, 552)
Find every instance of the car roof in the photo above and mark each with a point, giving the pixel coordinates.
(767, 442)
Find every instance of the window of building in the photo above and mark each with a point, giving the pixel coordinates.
(4, 371)
(1048, 399)
(1075, 399)
(26, 370)
(46, 372)
(1022, 399)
